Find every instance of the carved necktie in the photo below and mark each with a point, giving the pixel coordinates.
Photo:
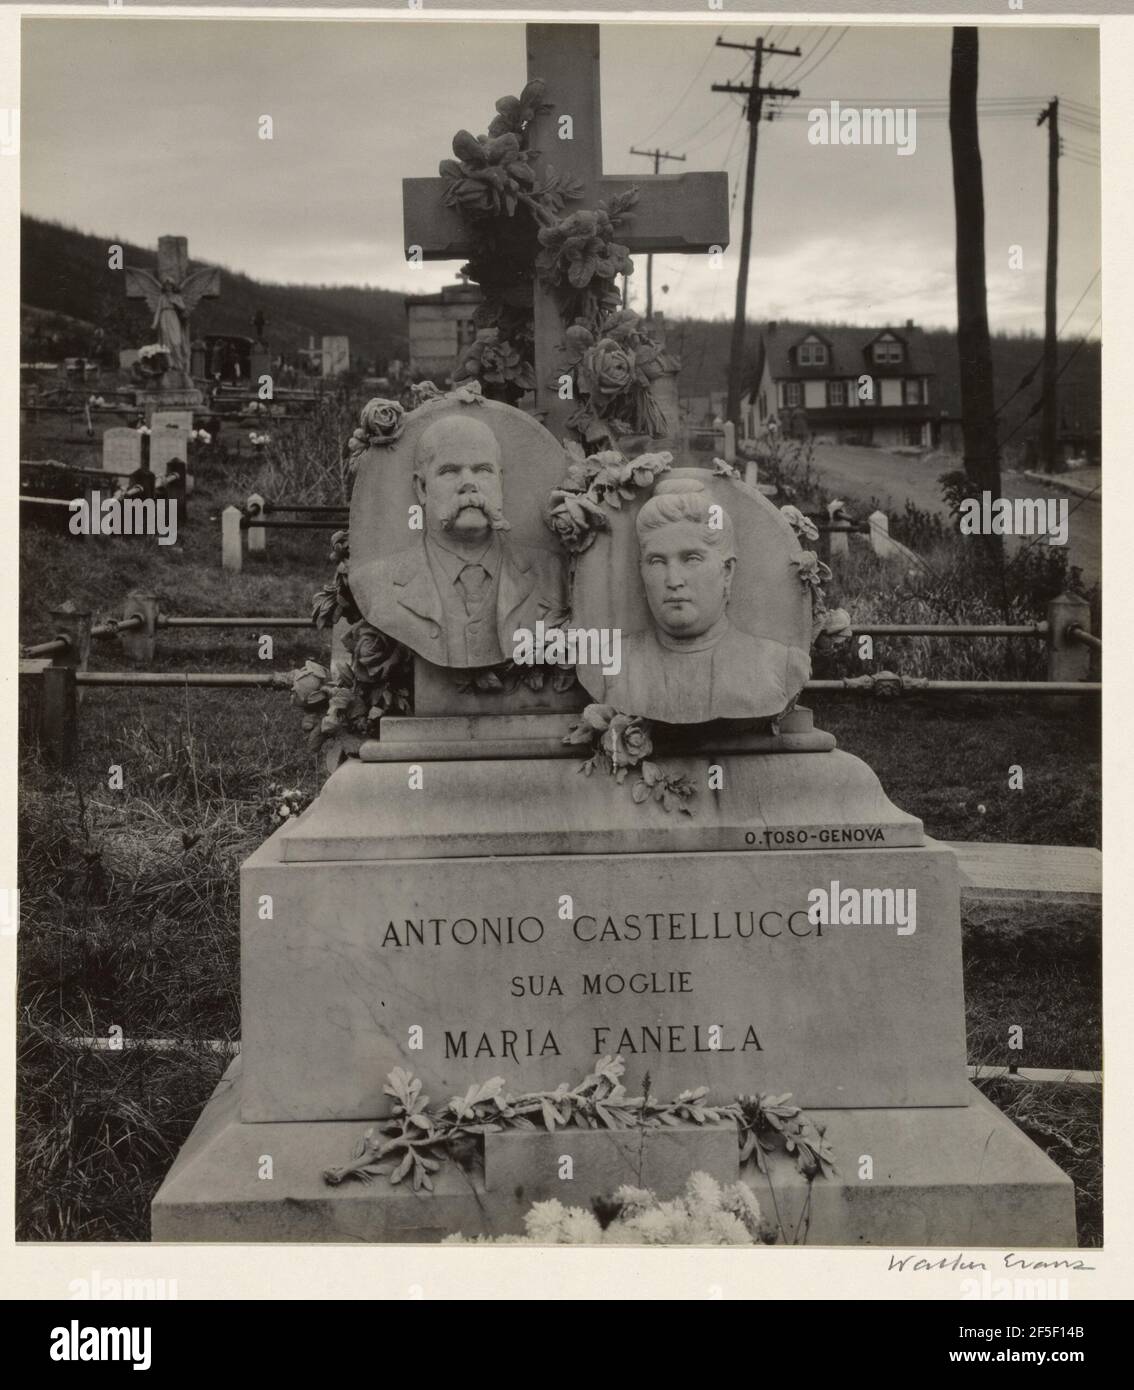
(473, 581)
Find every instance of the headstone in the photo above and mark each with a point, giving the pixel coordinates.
(685, 213)
(336, 355)
(171, 295)
(260, 364)
(461, 904)
(121, 451)
(169, 439)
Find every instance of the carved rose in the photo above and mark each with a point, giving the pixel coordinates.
(422, 391)
(837, 625)
(574, 519)
(812, 571)
(606, 370)
(626, 741)
(802, 525)
(383, 420)
(307, 686)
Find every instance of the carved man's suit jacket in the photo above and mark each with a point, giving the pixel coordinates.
(399, 595)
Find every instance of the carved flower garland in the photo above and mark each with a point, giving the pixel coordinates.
(519, 232)
(416, 1138)
(829, 626)
(344, 703)
(615, 365)
(574, 511)
(622, 743)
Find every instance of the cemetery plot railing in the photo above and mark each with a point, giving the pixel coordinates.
(888, 683)
(50, 691)
(256, 518)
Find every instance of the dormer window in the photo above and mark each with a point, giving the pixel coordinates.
(887, 350)
(812, 353)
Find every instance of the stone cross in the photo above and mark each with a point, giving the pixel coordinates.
(675, 212)
(172, 295)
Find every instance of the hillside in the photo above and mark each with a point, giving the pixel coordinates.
(65, 272)
(67, 290)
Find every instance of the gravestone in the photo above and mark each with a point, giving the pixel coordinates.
(169, 439)
(683, 213)
(121, 451)
(260, 364)
(171, 295)
(336, 354)
(461, 904)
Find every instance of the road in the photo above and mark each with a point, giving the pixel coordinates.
(865, 473)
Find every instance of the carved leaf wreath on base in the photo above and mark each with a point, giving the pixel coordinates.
(415, 1139)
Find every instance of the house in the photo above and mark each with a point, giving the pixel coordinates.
(854, 385)
(440, 325)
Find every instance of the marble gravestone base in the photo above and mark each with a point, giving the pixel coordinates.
(394, 909)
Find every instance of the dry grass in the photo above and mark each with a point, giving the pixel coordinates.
(1066, 1122)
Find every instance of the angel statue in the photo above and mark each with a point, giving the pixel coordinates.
(171, 296)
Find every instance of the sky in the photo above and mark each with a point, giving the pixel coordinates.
(135, 128)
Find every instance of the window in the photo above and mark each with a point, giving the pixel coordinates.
(793, 394)
(811, 354)
(913, 391)
(836, 393)
(887, 350)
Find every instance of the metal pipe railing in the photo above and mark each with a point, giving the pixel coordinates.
(868, 685)
(1084, 638)
(165, 621)
(266, 680)
(950, 630)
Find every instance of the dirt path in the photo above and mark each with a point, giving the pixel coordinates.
(866, 473)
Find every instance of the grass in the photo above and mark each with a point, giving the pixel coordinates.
(129, 898)
(1066, 1122)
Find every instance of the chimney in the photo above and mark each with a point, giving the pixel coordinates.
(909, 323)
(773, 325)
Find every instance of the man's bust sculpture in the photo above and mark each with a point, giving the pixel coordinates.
(456, 596)
(693, 665)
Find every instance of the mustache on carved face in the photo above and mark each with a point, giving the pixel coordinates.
(475, 501)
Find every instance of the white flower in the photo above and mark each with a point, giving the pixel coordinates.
(703, 1190)
(580, 1228)
(652, 1227)
(543, 1222)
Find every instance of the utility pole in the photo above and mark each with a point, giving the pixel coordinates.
(1049, 417)
(754, 113)
(657, 156)
(974, 347)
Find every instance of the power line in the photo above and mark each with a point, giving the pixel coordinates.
(1067, 362)
(1029, 376)
(784, 76)
(693, 82)
(819, 61)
